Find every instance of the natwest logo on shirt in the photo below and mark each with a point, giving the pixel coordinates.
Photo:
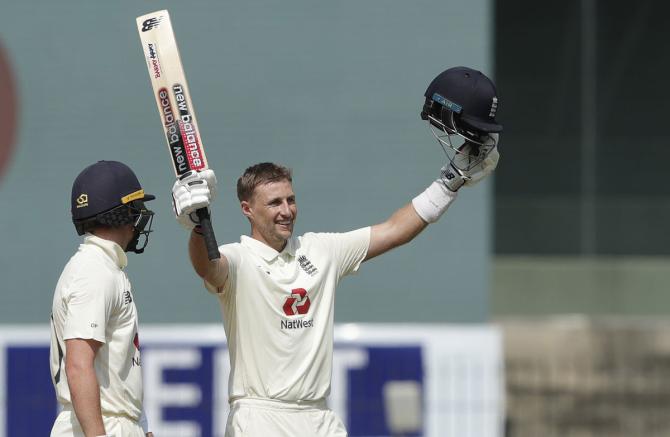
(297, 303)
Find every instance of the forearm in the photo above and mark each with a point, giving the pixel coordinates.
(215, 271)
(399, 229)
(198, 253)
(406, 225)
(85, 393)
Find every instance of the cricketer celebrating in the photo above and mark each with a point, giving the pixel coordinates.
(276, 291)
(94, 357)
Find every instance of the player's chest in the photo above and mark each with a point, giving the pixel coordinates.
(286, 271)
(272, 282)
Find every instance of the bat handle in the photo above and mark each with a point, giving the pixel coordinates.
(208, 234)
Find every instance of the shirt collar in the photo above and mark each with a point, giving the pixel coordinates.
(110, 248)
(265, 251)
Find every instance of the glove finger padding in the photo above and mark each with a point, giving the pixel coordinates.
(192, 198)
(482, 169)
(188, 221)
(210, 178)
(191, 192)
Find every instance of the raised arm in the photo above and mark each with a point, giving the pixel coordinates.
(400, 228)
(407, 222)
(215, 271)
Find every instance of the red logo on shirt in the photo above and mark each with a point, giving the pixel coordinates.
(297, 303)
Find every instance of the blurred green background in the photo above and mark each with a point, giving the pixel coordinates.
(331, 89)
(574, 220)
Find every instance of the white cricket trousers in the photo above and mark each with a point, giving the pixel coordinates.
(67, 425)
(271, 418)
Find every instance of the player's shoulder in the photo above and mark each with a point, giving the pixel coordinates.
(235, 244)
(232, 251)
(85, 274)
(316, 237)
(310, 241)
(93, 255)
(89, 264)
(311, 237)
(231, 247)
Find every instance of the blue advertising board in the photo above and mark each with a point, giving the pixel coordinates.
(386, 379)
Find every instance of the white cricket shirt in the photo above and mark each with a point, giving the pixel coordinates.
(94, 300)
(278, 312)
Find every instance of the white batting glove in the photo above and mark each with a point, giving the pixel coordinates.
(436, 199)
(454, 178)
(194, 190)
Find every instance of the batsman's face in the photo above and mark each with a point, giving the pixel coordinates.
(272, 211)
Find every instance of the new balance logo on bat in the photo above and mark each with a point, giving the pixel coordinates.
(151, 23)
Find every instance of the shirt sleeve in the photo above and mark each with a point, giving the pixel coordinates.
(348, 249)
(88, 303)
(233, 258)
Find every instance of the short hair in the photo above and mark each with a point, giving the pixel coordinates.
(258, 174)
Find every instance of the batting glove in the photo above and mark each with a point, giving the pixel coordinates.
(436, 199)
(454, 177)
(192, 191)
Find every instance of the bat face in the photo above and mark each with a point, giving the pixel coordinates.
(171, 92)
(180, 131)
(174, 106)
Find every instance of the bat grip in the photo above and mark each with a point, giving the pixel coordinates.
(208, 234)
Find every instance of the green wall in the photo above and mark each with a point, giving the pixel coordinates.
(332, 89)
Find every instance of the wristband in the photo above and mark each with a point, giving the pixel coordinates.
(197, 229)
(433, 202)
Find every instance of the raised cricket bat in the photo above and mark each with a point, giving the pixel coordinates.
(174, 106)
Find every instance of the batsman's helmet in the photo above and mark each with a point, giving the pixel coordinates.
(462, 96)
(108, 193)
(460, 105)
